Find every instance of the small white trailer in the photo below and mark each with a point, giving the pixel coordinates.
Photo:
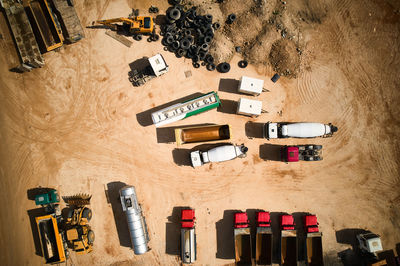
(298, 130)
(249, 107)
(251, 86)
(218, 154)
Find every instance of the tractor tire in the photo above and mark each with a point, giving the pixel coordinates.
(70, 213)
(243, 64)
(174, 14)
(210, 67)
(138, 37)
(90, 237)
(224, 67)
(87, 213)
(181, 52)
(208, 39)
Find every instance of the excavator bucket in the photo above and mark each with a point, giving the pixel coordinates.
(78, 199)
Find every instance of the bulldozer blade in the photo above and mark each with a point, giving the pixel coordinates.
(78, 199)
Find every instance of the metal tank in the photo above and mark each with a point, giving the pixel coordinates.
(136, 222)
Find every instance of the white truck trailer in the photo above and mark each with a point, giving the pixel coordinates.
(298, 130)
(218, 154)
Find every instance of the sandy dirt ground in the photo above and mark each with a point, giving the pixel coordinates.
(77, 125)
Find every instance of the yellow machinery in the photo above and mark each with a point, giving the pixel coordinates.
(136, 26)
(80, 237)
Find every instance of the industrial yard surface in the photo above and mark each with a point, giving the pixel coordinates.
(78, 125)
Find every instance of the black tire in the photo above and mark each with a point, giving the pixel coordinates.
(205, 47)
(317, 147)
(185, 44)
(224, 67)
(169, 40)
(180, 52)
(175, 45)
(210, 67)
(208, 39)
(155, 37)
(187, 32)
(149, 39)
(174, 14)
(208, 17)
(202, 55)
(87, 213)
(216, 25)
(231, 18)
(189, 38)
(243, 63)
(196, 65)
(195, 58)
(90, 237)
(138, 37)
(203, 63)
(209, 59)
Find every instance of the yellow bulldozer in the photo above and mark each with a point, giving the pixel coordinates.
(80, 236)
(136, 26)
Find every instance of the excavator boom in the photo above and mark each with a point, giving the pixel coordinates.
(136, 25)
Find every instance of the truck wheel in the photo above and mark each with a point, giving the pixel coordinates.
(138, 37)
(209, 59)
(87, 213)
(208, 39)
(210, 67)
(231, 18)
(317, 147)
(242, 63)
(90, 237)
(196, 65)
(185, 44)
(70, 213)
(224, 67)
(205, 47)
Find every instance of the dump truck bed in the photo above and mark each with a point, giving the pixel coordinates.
(202, 133)
(314, 249)
(44, 23)
(242, 246)
(70, 23)
(289, 248)
(264, 246)
(50, 239)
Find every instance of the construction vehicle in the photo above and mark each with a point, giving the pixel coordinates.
(188, 236)
(313, 247)
(297, 130)
(263, 239)
(136, 26)
(242, 237)
(247, 107)
(251, 86)
(295, 153)
(50, 201)
(136, 221)
(70, 24)
(186, 109)
(369, 243)
(156, 67)
(80, 236)
(288, 241)
(27, 47)
(45, 24)
(202, 133)
(218, 154)
(52, 238)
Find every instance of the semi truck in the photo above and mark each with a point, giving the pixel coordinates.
(313, 247)
(263, 239)
(369, 243)
(219, 154)
(155, 67)
(52, 239)
(298, 130)
(188, 236)
(288, 241)
(202, 133)
(295, 153)
(242, 238)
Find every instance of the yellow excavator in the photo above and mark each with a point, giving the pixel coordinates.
(136, 26)
(80, 236)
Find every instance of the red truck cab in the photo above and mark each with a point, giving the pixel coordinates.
(188, 218)
(310, 224)
(241, 220)
(287, 222)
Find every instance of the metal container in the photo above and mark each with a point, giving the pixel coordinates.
(136, 222)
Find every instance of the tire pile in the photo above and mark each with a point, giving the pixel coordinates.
(188, 34)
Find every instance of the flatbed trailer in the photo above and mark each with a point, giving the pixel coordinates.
(202, 133)
(69, 20)
(45, 23)
(27, 47)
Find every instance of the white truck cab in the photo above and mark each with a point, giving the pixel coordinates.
(370, 242)
(158, 65)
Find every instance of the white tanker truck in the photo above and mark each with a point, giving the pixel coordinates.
(218, 154)
(298, 130)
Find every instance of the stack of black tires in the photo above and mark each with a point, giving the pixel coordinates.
(188, 34)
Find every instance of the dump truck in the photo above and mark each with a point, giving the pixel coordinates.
(288, 245)
(156, 67)
(242, 238)
(218, 154)
(298, 130)
(188, 236)
(80, 235)
(70, 24)
(136, 26)
(263, 239)
(136, 221)
(295, 153)
(52, 239)
(186, 109)
(202, 133)
(313, 247)
(45, 24)
(369, 243)
(27, 46)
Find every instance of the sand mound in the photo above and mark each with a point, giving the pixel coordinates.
(284, 58)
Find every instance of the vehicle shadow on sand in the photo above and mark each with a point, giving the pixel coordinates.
(225, 239)
(254, 130)
(33, 213)
(270, 152)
